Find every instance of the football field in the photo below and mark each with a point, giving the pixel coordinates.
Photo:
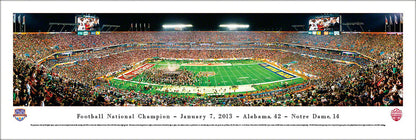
(256, 74)
(234, 75)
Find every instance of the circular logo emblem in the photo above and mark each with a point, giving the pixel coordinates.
(396, 114)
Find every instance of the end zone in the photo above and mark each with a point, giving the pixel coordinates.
(277, 71)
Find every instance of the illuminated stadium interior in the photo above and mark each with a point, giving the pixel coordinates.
(180, 66)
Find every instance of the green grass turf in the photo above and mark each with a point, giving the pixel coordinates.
(234, 75)
(127, 85)
(242, 72)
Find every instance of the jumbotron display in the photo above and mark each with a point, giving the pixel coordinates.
(87, 23)
(324, 24)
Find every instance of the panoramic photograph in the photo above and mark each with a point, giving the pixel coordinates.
(207, 59)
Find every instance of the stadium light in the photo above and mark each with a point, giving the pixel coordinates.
(176, 25)
(234, 26)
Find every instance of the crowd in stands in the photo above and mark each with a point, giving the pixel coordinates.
(84, 55)
(362, 88)
(38, 46)
(326, 69)
(93, 68)
(379, 83)
(361, 60)
(36, 86)
(373, 45)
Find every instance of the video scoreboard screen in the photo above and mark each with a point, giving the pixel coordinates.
(87, 25)
(325, 25)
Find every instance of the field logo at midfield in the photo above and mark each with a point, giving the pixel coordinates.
(206, 73)
(277, 71)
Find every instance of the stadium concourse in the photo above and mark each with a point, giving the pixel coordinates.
(351, 69)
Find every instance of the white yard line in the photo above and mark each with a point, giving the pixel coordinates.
(244, 78)
(258, 68)
(231, 80)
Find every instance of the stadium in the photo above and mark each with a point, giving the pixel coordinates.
(234, 65)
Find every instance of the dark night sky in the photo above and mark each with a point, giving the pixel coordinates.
(206, 22)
